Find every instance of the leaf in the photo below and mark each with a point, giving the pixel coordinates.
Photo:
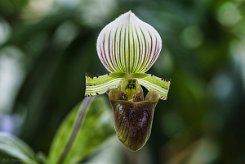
(13, 146)
(97, 128)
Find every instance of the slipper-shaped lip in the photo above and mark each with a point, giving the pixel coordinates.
(133, 122)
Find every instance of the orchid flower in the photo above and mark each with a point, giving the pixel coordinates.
(128, 47)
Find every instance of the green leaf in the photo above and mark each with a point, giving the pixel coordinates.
(97, 128)
(14, 147)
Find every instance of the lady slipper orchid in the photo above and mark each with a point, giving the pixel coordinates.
(128, 47)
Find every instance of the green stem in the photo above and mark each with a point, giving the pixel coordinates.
(77, 125)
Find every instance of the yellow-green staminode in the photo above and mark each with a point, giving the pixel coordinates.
(127, 47)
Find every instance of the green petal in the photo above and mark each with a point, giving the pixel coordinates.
(100, 84)
(153, 83)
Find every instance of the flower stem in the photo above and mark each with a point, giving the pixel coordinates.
(77, 125)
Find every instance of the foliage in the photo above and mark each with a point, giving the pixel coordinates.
(95, 130)
(16, 148)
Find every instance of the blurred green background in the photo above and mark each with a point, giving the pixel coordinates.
(47, 46)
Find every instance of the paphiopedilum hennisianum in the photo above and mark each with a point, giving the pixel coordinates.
(128, 47)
